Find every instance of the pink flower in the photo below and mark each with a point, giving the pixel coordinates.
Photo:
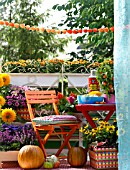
(71, 99)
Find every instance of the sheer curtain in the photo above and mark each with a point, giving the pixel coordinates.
(122, 78)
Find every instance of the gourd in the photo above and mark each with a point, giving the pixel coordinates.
(77, 156)
(30, 156)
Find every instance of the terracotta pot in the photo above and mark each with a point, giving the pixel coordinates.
(110, 99)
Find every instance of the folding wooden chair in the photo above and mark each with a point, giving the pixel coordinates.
(50, 97)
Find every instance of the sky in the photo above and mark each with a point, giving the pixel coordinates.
(55, 18)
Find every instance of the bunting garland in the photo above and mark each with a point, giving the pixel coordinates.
(41, 29)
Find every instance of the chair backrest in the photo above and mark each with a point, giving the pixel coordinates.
(41, 97)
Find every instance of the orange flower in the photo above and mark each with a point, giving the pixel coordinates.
(16, 25)
(6, 23)
(1, 22)
(95, 29)
(104, 83)
(104, 76)
(64, 31)
(11, 24)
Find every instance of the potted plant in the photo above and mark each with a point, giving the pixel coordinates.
(102, 144)
(12, 139)
(66, 104)
(105, 77)
(15, 98)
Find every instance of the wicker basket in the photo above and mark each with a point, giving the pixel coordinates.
(103, 158)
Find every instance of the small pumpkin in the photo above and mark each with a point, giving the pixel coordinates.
(77, 156)
(30, 157)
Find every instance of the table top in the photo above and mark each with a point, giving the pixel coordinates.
(111, 106)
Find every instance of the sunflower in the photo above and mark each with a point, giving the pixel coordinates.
(8, 115)
(2, 101)
(1, 81)
(6, 79)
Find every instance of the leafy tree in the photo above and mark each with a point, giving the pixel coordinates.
(18, 43)
(91, 14)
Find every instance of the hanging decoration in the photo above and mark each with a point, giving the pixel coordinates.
(41, 29)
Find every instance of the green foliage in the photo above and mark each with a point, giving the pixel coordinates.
(66, 105)
(91, 14)
(104, 135)
(23, 44)
(105, 76)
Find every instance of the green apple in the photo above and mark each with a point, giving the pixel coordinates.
(48, 165)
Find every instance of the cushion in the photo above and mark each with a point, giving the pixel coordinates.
(55, 119)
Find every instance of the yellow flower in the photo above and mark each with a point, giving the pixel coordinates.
(85, 127)
(86, 132)
(100, 127)
(2, 101)
(6, 79)
(81, 129)
(95, 118)
(8, 115)
(1, 81)
(110, 129)
(94, 130)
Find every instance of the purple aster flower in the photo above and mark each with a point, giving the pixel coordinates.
(9, 103)
(16, 104)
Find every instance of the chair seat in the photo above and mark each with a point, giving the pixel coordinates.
(55, 119)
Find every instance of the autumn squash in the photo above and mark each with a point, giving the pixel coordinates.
(30, 157)
(77, 156)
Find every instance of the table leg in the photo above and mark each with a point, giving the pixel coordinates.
(109, 115)
(89, 119)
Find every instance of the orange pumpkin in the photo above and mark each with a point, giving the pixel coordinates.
(77, 156)
(30, 157)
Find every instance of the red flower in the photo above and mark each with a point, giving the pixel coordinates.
(73, 95)
(60, 95)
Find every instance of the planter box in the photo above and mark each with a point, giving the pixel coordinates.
(103, 158)
(35, 79)
(9, 159)
(77, 80)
